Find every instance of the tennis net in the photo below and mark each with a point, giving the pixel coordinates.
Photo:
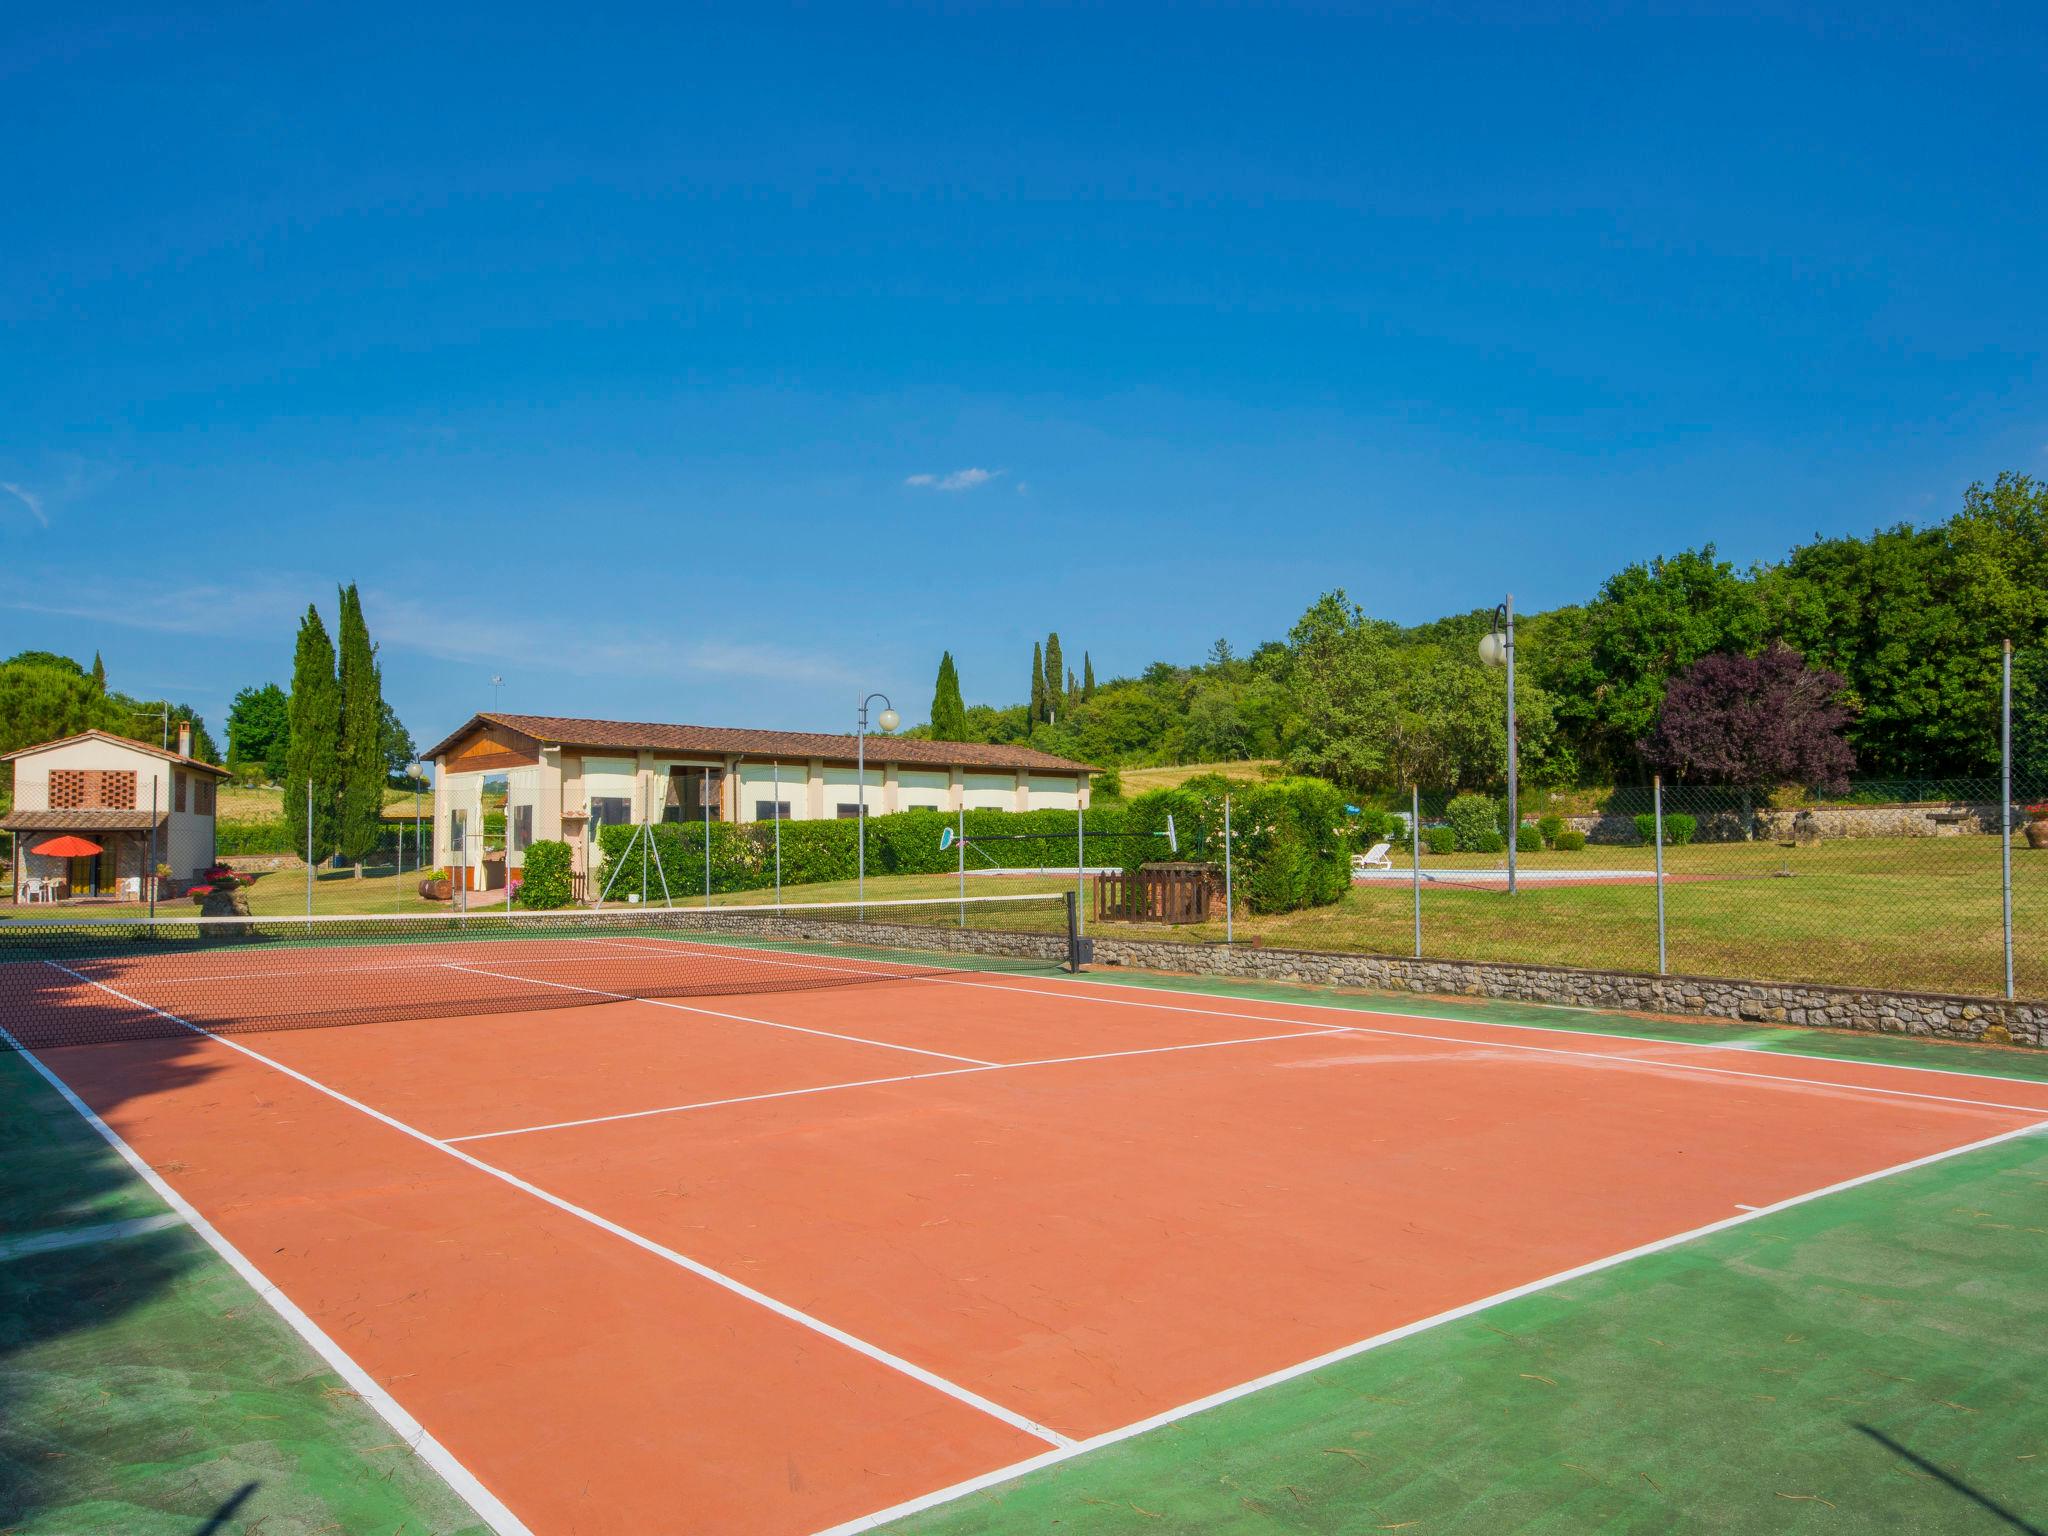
(85, 981)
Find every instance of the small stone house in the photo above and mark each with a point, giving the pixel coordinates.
(135, 802)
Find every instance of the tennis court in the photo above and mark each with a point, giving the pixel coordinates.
(802, 1220)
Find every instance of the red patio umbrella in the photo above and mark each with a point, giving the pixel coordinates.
(69, 846)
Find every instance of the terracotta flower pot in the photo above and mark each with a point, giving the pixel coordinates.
(2037, 834)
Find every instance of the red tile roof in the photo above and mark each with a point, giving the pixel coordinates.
(119, 741)
(728, 741)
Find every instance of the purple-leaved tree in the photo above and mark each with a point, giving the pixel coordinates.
(1754, 722)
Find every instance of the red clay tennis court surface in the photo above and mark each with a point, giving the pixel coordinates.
(784, 1262)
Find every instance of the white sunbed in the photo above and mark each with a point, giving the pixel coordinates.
(1373, 858)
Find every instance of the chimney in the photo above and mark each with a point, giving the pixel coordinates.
(184, 738)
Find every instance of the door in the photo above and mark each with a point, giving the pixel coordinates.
(85, 875)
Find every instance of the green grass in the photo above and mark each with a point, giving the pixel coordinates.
(1868, 1362)
(144, 1388)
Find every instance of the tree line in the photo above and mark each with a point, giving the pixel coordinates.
(45, 697)
(1888, 644)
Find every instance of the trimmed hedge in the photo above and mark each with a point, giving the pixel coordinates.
(1474, 818)
(1528, 839)
(815, 852)
(1678, 829)
(1440, 839)
(1550, 827)
(1571, 840)
(546, 881)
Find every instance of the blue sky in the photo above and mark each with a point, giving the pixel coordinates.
(714, 366)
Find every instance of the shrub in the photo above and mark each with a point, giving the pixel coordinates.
(1108, 785)
(1473, 817)
(1528, 839)
(1678, 829)
(545, 882)
(1570, 840)
(1288, 840)
(1550, 827)
(1376, 827)
(1440, 839)
(1489, 842)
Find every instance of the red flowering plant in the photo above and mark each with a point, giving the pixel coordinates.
(2038, 811)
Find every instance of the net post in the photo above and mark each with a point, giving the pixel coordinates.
(1080, 854)
(1657, 809)
(1073, 933)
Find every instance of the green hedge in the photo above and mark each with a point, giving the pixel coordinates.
(1678, 829)
(546, 880)
(1288, 838)
(814, 852)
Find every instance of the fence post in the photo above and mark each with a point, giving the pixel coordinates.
(1080, 857)
(704, 794)
(309, 845)
(150, 873)
(2005, 807)
(776, 771)
(1229, 894)
(1657, 792)
(1415, 857)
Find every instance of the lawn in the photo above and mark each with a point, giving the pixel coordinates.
(144, 1387)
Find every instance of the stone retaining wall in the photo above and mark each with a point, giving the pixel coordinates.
(1943, 820)
(1896, 1013)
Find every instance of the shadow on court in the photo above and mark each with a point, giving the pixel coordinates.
(1948, 1480)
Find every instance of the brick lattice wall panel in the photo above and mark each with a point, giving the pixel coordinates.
(92, 789)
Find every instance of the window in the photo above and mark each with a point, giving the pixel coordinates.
(771, 810)
(458, 833)
(522, 828)
(202, 797)
(177, 789)
(610, 810)
(849, 809)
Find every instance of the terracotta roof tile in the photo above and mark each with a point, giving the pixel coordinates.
(719, 741)
(77, 821)
(119, 741)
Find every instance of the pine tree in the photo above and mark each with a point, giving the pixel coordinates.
(949, 710)
(315, 753)
(1037, 683)
(1087, 676)
(359, 799)
(99, 673)
(1055, 669)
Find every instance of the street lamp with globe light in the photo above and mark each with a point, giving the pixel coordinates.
(1497, 649)
(888, 720)
(417, 771)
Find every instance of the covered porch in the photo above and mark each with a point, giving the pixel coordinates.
(85, 856)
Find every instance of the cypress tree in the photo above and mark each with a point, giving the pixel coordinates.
(1037, 683)
(949, 710)
(99, 673)
(1087, 676)
(1055, 670)
(359, 797)
(315, 753)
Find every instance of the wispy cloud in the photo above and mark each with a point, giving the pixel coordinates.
(27, 498)
(254, 607)
(958, 480)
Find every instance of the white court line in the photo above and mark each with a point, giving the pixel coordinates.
(738, 1018)
(1070, 987)
(704, 1271)
(1392, 1335)
(1612, 1058)
(84, 1237)
(876, 1082)
(365, 1386)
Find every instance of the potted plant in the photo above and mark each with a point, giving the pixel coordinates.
(2037, 825)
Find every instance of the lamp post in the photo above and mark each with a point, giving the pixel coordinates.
(1497, 649)
(888, 720)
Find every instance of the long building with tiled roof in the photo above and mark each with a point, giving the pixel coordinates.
(562, 777)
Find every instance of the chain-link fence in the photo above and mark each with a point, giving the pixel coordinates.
(1873, 889)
